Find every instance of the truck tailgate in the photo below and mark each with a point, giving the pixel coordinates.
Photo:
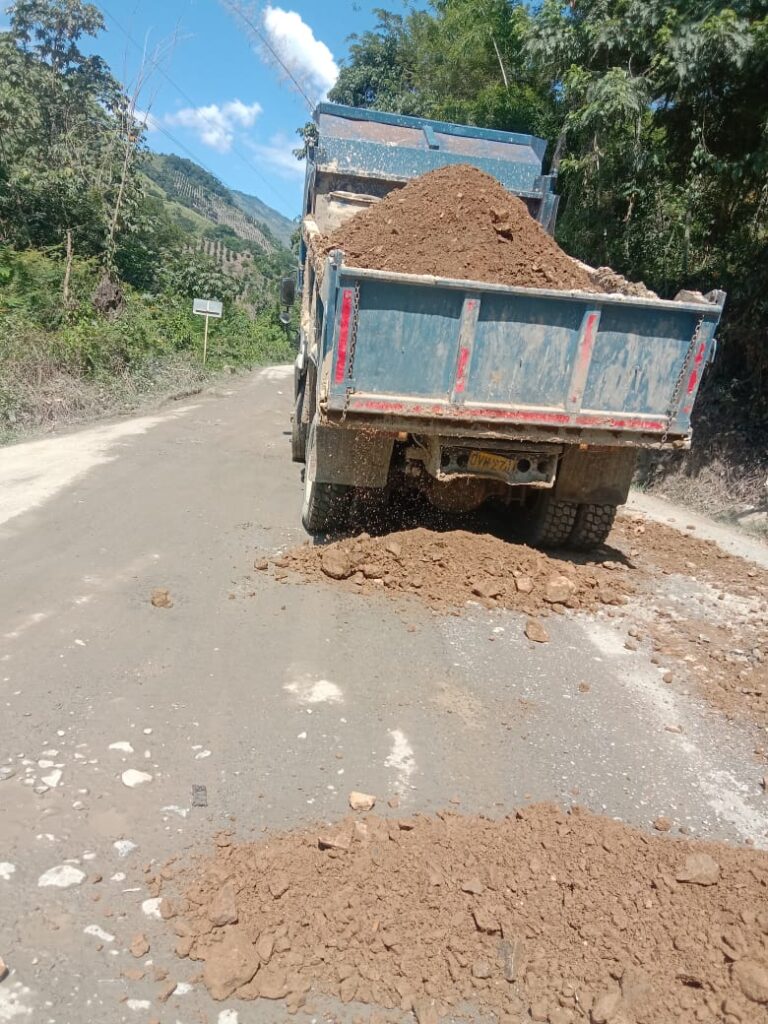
(405, 346)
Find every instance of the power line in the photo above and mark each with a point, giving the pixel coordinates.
(185, 95)
(237, 10)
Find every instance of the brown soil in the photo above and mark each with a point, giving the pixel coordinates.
(457, 222)
(543, 915)
(722, 651)
(445, 570)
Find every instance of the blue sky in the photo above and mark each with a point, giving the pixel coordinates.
(219, 99)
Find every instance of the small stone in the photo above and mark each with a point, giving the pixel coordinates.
(161, 598)
(667, 677)
(752, 979)
(278, 885)
(361, 801)
(265, 947)
(674, 728)
(632, 645)
(485, 921)
(481, 969)
(3, 968)
(536, 632)
(61, 877)
(393, 547)
(605, 1007)
(337, 842)
(139, 946)
(132, 974)
(336, 564)
(223, 908)
(229, 964)
(558, 589)
(487, 589)
(662, 824)
(473, 886)
(132, 778)
(699, 869)
(262, 565)
(393, 802)
(524, 584)
(166, 991)
(539, 1011)
(584, 687)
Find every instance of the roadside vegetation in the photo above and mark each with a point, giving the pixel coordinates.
(98, 263)
(657, 118)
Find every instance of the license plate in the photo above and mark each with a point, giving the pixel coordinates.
(489, 463)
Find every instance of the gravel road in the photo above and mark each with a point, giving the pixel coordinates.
(270, 700)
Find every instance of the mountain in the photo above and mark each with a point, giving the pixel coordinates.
(219, 214)
(281, 227)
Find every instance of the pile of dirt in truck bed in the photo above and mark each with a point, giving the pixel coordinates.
(445, 570)
(543, 915)
(457, 222)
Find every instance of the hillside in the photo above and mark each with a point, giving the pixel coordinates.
(281, 227)
(184, 182)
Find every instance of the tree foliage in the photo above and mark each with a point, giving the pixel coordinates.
(657, 117)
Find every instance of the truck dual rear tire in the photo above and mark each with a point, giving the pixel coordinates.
(591, 526)
(550, 522)
(326, 506)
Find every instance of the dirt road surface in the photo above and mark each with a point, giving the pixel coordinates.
(133, 730)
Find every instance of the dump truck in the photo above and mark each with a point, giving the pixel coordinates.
(468, 392)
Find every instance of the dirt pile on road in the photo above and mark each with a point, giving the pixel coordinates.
(545, 915)
(457, 222)
(445, 570)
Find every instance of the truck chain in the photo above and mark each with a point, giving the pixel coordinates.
(674, 402)
(352, 346)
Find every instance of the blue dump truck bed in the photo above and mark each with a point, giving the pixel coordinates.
(534, 399)
(541, 362)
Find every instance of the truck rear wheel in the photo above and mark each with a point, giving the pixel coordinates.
(326, 506)
(550, 522)
(591, 526)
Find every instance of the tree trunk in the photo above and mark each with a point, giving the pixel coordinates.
(67, 268)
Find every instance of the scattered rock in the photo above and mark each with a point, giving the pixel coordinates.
(161, 598)
(535, 631)
(584, 687)
(166, 991)
(336, 564)
(752, 979)
(361, 801)
(3, 969)
(279, 885)
(487, 589)
(699, 869)
(230, 963)
(133, 777)
(524, 585)
(393, 802)
(261, 565)
(558, 589)
(485, 921)
(223, 907)
(337, 842)
(61, 877)
(473, 886)
(139, 946)
(425, 1010)
(662, 824)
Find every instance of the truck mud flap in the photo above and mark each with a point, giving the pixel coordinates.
(597, 476)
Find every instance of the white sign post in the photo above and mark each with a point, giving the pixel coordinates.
(207, 308)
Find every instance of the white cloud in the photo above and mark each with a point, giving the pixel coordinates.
(308, 59)
(216, 125)
(277, 155)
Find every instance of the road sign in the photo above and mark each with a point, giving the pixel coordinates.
(207, 307)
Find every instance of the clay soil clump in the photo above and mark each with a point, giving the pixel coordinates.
(543, 915)
(457, 222)
(446, 570)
